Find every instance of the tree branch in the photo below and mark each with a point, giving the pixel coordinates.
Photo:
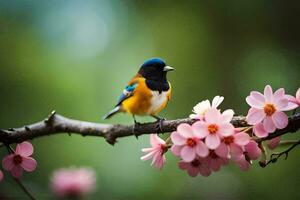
(56, 123)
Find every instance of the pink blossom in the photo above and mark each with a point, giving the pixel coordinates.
(201, 108)
(268, 109)
(238, 140)
(214, 127)
(295, 100)
(20, 160)
(1, 175)
(187, 143)
(72, 182)
(273, 143)
(252, 151)
(156, 152)
(197, 166)
(214, 162)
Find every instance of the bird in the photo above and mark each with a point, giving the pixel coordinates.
(147, 93)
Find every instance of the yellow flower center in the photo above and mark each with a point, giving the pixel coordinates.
(191, 142)
(269, 109)
(213, 128)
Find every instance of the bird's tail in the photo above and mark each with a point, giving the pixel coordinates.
(112, 112)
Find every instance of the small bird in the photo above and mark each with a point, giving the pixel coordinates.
(147, 93)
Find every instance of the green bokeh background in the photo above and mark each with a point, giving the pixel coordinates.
(75, 57)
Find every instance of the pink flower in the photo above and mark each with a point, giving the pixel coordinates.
(273, 143)
(268, 109)
(214, 127)
(295, 100)
(238, 140)
(1, 175)
(187, 143)
(156, 152)
(214, 162)
(252, 151)
(20, 160)
(201, 108)
(197, 166)
(73, 182)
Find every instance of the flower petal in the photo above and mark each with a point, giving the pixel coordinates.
(217, 101)
(200, 129)
(16, 171)
(8, 162)
(253, 151)
(175, 149)
(258, 96)
(24, 149)
(254, 102)
(268, 94)
(201, 149)
(281, 104)
(222, 150)
(212, 141)
(177, 139)
(204, 171)
(255, 116)
(29, 164)
(226, 129)
(279, 94)
(273, 143)
(155, 140)
(260, 131)
(1, 175)
(227, 116)
(298, 94)
(241, 138)
(188, 153)
(269, 125)
(185, 130)
(148, 156)
(212, 115)
(280, 120)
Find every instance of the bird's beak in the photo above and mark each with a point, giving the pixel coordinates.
(168, 68)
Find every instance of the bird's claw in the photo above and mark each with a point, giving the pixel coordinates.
(134, 128)
(160, 124)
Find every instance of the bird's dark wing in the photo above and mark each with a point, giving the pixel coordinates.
(127, 92)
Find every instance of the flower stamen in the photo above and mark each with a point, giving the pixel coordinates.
(213, 128)
(269, 109)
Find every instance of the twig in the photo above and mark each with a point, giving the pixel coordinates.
(275, 156)
(56, 124)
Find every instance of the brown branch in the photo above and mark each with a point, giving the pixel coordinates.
(56, 123)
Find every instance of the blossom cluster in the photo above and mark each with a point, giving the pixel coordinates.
(212, 141)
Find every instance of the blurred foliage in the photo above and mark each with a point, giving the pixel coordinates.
(76, 57)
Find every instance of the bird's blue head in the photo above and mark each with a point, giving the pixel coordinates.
(155, 69)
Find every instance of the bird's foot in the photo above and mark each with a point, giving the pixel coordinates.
(135, 125)
(160, 122)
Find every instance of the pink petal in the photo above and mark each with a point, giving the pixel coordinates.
(155, 140)
(222, 150)
(281, 104)
(217, 101)
(260, 131)
(16, 171)
(188, 154)
(175, 149)
(272, 144)
(1, 175)
(253, 151)
(235, 151)
(8, 162)
(215, 164)
(280, 120)
(298, 94)
(185, 130)
(226, 129)
(193, 171)
(24, 149)
(200, 129)
(269, 125)
(241, 138)
(212, 141)
(201, 149)
(243, 164)
(268, 94)
(291, 106)
(255, 116)
(279, 94)
(227, 116)
(158, 160)
(212, 115)
(177, 139)
(258, 96)
(183, 165)
(204, 171)
(29, 164)
(254, 102)
(147, 150)
(148, 156)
